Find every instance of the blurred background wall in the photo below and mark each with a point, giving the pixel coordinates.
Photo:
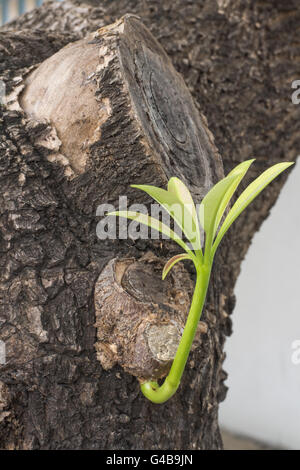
(263, 400)
(10, 9)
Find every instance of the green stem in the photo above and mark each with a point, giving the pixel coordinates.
(151, 389)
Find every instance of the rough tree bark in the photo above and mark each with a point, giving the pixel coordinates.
(238, 60)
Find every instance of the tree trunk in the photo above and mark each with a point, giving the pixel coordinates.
(80, 317)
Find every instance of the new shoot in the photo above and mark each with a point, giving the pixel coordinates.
(178, 202)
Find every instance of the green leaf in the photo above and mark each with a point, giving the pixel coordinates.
(155, 224)
(171, 204)
(177, 187)
(247, 197)
(239, 171)
(210, 207)
(169, 265)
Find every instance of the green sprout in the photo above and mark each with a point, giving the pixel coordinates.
(178, 202)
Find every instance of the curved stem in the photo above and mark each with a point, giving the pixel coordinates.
(151, 389)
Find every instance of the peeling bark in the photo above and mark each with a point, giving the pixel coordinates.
(238, 62)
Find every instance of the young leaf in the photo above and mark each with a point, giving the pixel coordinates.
(210, 206)
(155, 224)
(247, 197)
(240, 171)
(169, 265)
(171, 204)
(177, 187)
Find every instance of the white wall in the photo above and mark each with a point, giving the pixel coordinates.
(263, 400)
